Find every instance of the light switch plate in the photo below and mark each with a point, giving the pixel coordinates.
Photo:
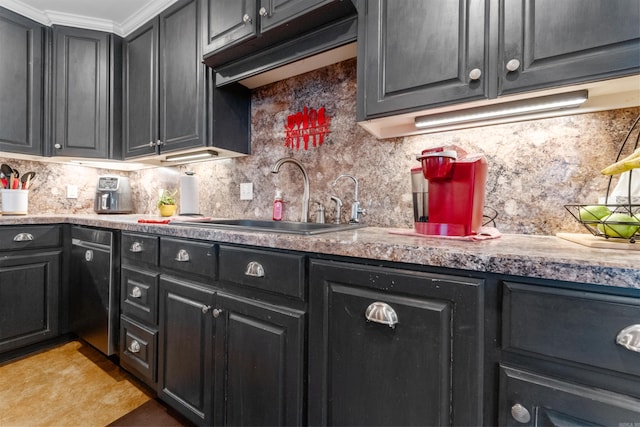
(246, 191)
(72, 191)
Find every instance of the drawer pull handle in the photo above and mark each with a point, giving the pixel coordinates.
(135, 292)
(134, 347)
(520, 413)
(254, 269)
(136, 247)
(182, 256)
(629, 338)
(23, 237)
(380, 312)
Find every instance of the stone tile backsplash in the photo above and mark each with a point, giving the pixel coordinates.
(535, 167)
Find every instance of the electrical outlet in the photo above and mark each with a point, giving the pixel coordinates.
(72, 191)
(246, 191)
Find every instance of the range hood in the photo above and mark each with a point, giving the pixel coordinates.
(602, 95)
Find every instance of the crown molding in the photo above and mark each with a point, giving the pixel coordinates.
(52, 17)
(144, 14)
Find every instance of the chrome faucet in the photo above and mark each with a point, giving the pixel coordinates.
(305, 196)
(355, 207)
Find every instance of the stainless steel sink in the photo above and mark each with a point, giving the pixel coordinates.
(303, 228)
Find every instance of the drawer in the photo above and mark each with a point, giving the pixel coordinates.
(140, 248)
(30, 237)
(138, 349)
(271, 271)
(549, 401)
(570, 325)
(187, 256)
(140, 294)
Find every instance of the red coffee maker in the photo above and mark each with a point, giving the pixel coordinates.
(456, 187)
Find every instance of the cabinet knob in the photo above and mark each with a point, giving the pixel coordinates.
(254, 269)
(88, 255)
(182, 256)
(134, 347)
(381, 312)
(152, 144)
(57, 146)
(263, 11)
(136, 247)
(159, 142)
(135, 292)
(513, 65)
(246, 19)
(629, 338)
(475, 74)
(216, 312)
(205, 309)
(520, 413)
(23, 237)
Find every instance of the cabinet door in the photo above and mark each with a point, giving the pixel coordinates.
(260, 359)
(277, 12)
(140, 99)
(182, 107)
(530, 399)
(21, 84)
(81, 102)
(185, 355)
(567, 42)
(425, 369)
(414, 54)
(229, 23)
(29, 292)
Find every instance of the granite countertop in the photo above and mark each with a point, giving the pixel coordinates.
(545, 257)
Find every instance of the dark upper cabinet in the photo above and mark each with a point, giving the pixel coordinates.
(414, 55)
(87, 93)
(140, 98)
(21, 84)
(170, 102)
(164, 108)
(234, 29)
(393, 347)
(567, 42)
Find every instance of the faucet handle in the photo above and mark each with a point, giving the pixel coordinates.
(338, 208)
(320, 214)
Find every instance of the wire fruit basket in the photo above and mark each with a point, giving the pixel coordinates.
(618, 220)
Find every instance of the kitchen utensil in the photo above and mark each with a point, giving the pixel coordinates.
(305, 127)
(313, 120)
(299, 121)
(6, 172)
(321, 122)
(291, 124)
(15, 182)
(26, 180)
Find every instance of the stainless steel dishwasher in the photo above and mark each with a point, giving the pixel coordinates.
(94, 287)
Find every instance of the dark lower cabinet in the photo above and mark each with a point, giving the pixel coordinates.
(538, 400)
(394, 347)
(21, 84)
(259, 375)
(29, 298)
(185, 345)
(569, 357)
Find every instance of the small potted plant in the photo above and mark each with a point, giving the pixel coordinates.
(167, 203)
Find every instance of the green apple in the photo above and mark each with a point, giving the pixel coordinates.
(625, 230)
(594, 212)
